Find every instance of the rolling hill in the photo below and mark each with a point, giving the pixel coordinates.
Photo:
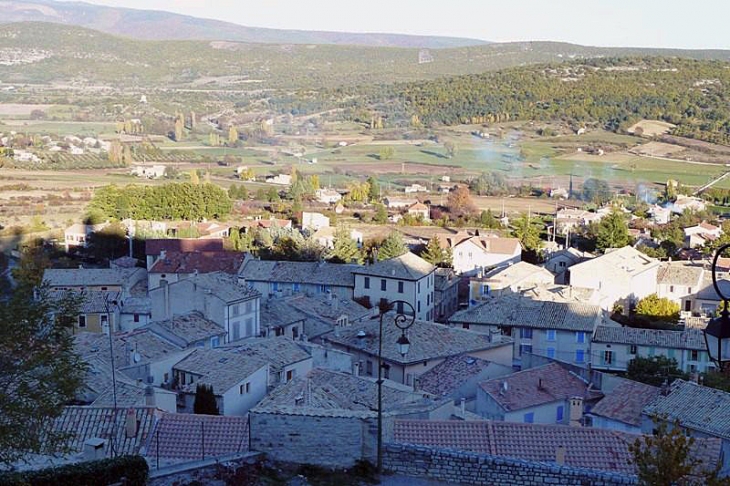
(32, 52)
(158, 25)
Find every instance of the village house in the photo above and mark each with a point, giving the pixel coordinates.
(398, 203)
(122, 281)
(413, 188)
(475, 253)
(136, 311)
(613, 347)
(406, 278)
(218, 296)
(326, 236)
(687, 203)
(314, 221)
(172, 266)
(148, 171)
(557, 330)
(660, 215)
(701, 234)
(510, 278)
(279, 179)
(679, 282)
(282, 278)
(622, 277)
(190, 330)
(446, 294)
(287, 359)
(239, 382)
(204, 230)
(96, 313)
(548, 394)
(419, 210)
(430, 344)
(457, 378)
(620, 409)
(706, 300)
(328, 196)
(260, 223)
(559, 263)
(77, 235)
(157, 248)
(568, 220)
(700, 411)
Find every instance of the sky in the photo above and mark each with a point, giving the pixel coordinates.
(639, 23)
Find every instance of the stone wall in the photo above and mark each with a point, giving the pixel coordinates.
(332, 440)
(470, 468)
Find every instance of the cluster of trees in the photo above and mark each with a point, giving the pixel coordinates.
(175, 201)
(652, 88)
(436, 255)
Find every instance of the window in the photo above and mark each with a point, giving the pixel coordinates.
(485, 289)
(695, 355)
(551, 353)
(561, 264)
(671, 288)
(560, 413)
(383, 285)
(632, 349)
(465, 326)
(550, 335)
(580, 337)
(166, 378)
(525, 348)
(579, 356)
(367, 282)
(136, 318)
(399, 307)
(419, 306)
(295, 332)
(419, 287)
(607, 357)
(651, 351)
(689, 290)
(369, 368)
(82, 321)
(275, 286)
(246, 388)
(525, 333)
(323, 289)
(295, 286)
(235, 310)
(249, 306)
(692, 368)
(386, 371)
(215, 342)
(400, 287)
(670, 353)
(289, 375)
(529, 418)
(104, 319)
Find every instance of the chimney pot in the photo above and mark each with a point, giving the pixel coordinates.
(560, 455)
(130, 425)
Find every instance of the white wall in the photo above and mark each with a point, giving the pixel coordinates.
(622, 355)
(418, 293)
(469, 258)
(236, 403)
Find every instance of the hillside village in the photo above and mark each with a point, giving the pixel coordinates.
(287, 352)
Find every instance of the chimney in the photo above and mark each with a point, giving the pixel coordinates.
(665, 388)
(356, 369)
(463, 407)
(163, 254)
(149, 396)
(94, 449)
(576, 412)
(539, 384)
(560, 455)
(130, 423)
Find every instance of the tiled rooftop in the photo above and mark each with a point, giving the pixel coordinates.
(428, 340)
(588, 448)
(219, 367)
(155, 246)
(189, 436)
(537, 386)
(202, 262)
(625, 402)
(278, 351)
(682, 274)
(689, 339)
(318, 273)
(446, 377)
(406, 267)
(94, 302)
(516, 273)
(222, 285)
(331, 308)
(696, 407)
(127, 345)
(184, 330)
(332, 390)
(617, 264)
(514, 309)
(75, 277)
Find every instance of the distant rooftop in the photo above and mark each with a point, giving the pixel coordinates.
(202, 262)
(187, 329)
(219, 368)
(221, 285)
(617, 263)
(446, 377)
(537, 386)
(87, 277)
(406, 267)
(318, 273)
(156, 246)
(688, 339)
(687, 274)
(279, 351)
(625, 402)
(93, 302)
(130, 348)
(181, 436)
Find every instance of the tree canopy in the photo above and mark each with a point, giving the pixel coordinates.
(435, 255)
(654, 370)
(205, 402)
(392, 246)
(612, 231)
(658, 308)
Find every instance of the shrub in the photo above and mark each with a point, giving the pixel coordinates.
(106, 471)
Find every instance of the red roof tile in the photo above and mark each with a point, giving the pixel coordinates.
(203, 262)
(187, 436)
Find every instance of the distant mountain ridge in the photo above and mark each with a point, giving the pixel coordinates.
(160, 25)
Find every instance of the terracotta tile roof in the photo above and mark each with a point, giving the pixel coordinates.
(84, 423)
(446, 377)
(192, 437)
(155, 247)
(589, 448)
(696, 407)
(418, 207)
(331, 390)
(489, 243)
(681, 273)
(516, 310)
(626, 401)
(185, 330)
(688, 339)
(406, 267)
(537, 386)
(428, 340)
(203, 262)
(318, 273)
(219, 367)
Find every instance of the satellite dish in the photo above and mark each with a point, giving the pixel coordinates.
(137, 358)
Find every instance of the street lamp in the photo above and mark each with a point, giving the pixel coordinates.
(717, 332)
(402, 321)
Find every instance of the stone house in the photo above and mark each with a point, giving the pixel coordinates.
(621, 407)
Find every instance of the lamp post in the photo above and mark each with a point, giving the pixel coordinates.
(402, 321)
(717, 332)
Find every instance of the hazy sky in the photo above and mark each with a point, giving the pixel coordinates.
(667, 23)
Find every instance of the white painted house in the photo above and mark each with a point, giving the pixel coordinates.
(328, 196)
(475, 253)
(314, 221)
